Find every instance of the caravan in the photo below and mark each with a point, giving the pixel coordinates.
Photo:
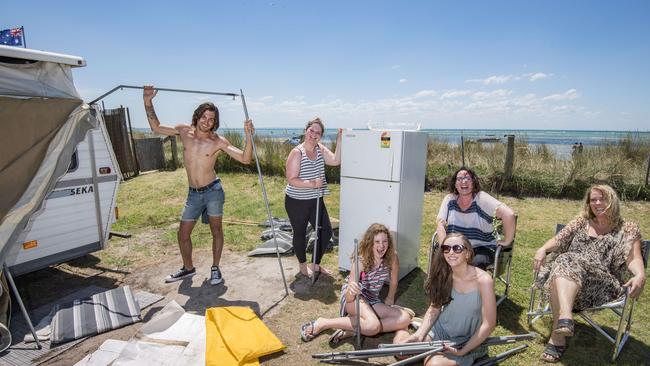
(58, 172)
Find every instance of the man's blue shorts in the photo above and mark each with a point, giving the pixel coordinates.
(206, 200)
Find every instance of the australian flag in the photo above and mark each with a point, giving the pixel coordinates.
(12, 37)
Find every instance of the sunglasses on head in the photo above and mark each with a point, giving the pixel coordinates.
(457, 248)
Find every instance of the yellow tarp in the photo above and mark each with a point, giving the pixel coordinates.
(235, 336)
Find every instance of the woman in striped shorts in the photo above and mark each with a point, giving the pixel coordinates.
(305, 172)
(379, 263)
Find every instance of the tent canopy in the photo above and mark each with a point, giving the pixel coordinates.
(43, 119)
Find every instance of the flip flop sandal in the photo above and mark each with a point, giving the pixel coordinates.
(407, 310)
(416, 322)
(338, 336)
(564, 327)
(553, 353)
(306, 337)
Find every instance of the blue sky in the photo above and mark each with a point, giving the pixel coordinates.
(452, 64)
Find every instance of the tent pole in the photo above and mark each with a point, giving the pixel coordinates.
(119, 87)
(266, 199)
(19, 300)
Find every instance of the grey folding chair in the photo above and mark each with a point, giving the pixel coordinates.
(500, 269)
(622, 308)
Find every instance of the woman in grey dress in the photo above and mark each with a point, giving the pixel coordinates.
(462, 306)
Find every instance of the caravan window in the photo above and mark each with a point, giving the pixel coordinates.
(74, 162)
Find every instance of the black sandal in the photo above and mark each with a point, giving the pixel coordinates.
(565, 327)
(553, 353)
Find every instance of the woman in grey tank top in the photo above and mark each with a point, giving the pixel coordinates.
(462, 306)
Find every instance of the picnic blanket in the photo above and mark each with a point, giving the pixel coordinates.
(100, 313)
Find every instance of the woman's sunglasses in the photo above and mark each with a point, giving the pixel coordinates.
(457, 248)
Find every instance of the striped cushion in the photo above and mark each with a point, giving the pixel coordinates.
(100, 313)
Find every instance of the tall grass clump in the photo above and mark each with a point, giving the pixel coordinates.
(538, 171)
(272, 154)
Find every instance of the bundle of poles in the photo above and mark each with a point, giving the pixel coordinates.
(419, 351)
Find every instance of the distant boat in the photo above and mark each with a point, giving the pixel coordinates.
(294, 140)
(488, 138)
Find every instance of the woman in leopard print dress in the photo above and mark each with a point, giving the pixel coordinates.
(587, 267)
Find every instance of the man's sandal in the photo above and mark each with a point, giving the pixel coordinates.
(564, 327)
(552, 353)
(306, 337)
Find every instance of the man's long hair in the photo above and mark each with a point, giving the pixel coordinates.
(207, 106)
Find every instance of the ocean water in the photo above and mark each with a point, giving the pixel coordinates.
(550, 137)
(559, 141)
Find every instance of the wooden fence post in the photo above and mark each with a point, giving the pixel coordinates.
(510, 157)
(174, 153)
(462, 148)
(647, 171)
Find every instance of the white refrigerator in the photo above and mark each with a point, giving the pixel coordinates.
(382, 180)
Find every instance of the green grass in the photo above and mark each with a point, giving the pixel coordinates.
(151, 203)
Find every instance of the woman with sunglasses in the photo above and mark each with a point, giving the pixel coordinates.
(462, 306)
(471, 212)
(379, 264)
(306, 184)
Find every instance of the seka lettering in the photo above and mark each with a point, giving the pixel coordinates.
(81, 190)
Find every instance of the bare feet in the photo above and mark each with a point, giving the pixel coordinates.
(318, 268)
(305, 270)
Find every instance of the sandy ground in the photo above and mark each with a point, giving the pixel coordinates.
(253, 282)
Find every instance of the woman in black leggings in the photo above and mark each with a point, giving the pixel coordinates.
(305, 172)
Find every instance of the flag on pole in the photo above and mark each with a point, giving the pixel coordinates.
(11, 37)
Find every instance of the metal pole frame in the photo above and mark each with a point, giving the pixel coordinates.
(19, 300)
(418, 348)
(315, 251)
(120, 87)
(357, 306)
(266, 200)
(22, 30)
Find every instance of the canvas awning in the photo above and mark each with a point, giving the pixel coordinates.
(42, 120)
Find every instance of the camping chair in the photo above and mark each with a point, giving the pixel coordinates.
(621, 307)
(500, 269)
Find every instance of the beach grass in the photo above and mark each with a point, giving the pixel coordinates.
(150, 206)
(537, 171)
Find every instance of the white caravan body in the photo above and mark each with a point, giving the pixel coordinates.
(67, 208)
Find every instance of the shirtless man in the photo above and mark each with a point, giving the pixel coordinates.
(201, 146)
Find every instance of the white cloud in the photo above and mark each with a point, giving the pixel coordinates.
(402, 81)
(426, 93)
(435, 109)
(494, 79)
(537, 76)
(454, 94)
(502, 79)
(499, 93)
(567, 95)
(266, 98)
(395, 67)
